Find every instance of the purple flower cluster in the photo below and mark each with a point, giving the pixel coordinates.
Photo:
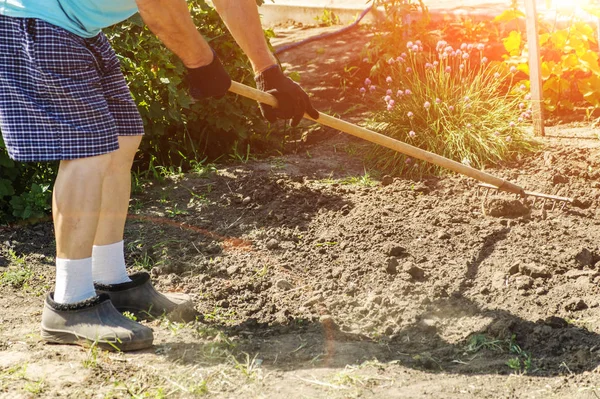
(414, 47)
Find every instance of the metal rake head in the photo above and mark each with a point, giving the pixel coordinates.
(544, 198)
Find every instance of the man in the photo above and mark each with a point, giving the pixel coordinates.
(63, 97)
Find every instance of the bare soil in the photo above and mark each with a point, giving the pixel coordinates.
(316, 279)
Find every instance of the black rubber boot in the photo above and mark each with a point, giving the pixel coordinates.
(93, 321)
(140, 298)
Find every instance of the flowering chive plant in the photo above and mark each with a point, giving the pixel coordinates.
(450, 102)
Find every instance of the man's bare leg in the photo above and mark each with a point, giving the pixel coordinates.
(108, 254)
(76, 204)
(116, 192)
(108, 257)
(75, 315)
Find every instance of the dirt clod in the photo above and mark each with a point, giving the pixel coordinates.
(313, 301)
(443, 235)
(514, 268)
(284, 285)
(508, 208)
(391, 265)
(387, 180)
(272, 244)
(414, 271)
(575, 304)
(559, 179)
(391, 249)
(584, 257)
(535, 271)
(231, 270)
(523, 282)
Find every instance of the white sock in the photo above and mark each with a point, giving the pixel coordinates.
(73, 280)
(108, 264)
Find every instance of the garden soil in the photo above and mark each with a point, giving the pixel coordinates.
(316, 277)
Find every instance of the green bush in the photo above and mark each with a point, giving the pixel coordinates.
(449, 102)
(179, 131)
(177, 128)
(24, 188)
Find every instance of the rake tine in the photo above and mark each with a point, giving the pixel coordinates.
(485, 197)
(541, 196)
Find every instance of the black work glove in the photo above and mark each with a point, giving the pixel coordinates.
(293, 101)
(209, 80)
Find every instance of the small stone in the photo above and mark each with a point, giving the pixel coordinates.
(575, 274)
(443, 235)
(575, 304)
(224, 303)
(337, 272)
(246, 201)
(387, 180)
(514, 268)
(499, 280)
(172, 279)
(548, 158)
(212, 249)
(559, 179)
(313, 301)
(391, 249)
(284, 285)
(272, 244)
(231, 270)
(389, 330)
(413, 270)
(523, 282)
(391, 266)
(375, 299)
(535, 271)
(584, 257)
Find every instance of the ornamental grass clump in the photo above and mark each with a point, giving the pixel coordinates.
(452, 102)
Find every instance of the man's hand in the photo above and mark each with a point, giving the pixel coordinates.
(208, 81)
(293, 101)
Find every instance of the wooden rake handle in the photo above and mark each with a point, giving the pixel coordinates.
(377, 138)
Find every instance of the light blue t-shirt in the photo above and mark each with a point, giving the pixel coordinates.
(83, 17)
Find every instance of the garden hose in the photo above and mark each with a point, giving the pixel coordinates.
(325, 35)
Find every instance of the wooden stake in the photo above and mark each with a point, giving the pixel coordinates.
(535, 67)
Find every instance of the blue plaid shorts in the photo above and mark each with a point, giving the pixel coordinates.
(61, 96)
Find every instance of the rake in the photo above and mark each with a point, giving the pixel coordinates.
(489, 182)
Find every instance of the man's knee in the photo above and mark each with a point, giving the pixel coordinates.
(96, 166)
(123, 157)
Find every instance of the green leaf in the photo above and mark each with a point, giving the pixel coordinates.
(589, 61)
(6, 188)
(512, 43)
(295, 76)
(559, 39)
(509, 15)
